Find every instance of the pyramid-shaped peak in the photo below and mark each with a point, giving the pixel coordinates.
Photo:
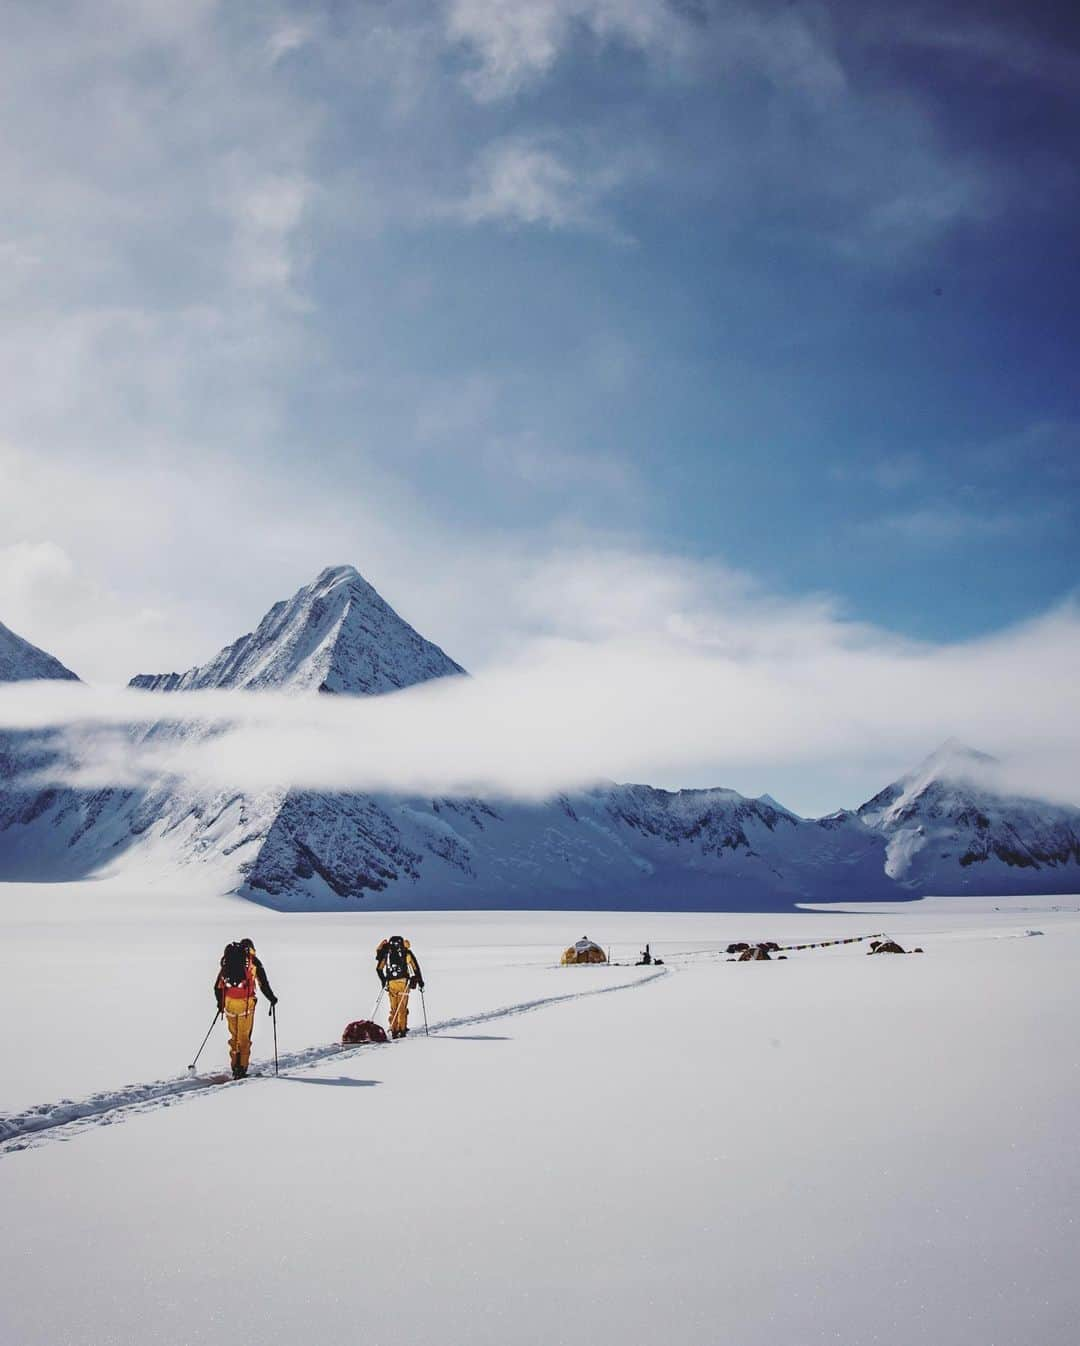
(334, 635)
(22, 662)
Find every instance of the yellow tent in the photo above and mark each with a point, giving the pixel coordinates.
(584, 951)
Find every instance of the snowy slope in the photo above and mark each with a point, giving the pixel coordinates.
(948, 830)
(833, 1149)
(623, 846)
(19, 660)
(334, 635)
(612, 847)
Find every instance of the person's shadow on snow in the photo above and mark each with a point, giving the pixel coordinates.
(342, 1081)
(474, 1037)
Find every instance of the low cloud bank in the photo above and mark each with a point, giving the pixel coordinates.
(566, 712)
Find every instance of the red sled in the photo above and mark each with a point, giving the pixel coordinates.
(362, 1030)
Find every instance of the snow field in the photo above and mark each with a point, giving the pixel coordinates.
(101, 987)
(834, 1148)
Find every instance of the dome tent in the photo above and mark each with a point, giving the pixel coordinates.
(584, 951)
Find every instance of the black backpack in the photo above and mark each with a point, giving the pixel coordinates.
(396, 964)
(234, 964)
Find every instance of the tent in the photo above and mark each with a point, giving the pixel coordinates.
(584, 951)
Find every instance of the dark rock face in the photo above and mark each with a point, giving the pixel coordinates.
(348, 841)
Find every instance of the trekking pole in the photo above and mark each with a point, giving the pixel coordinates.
(423, 1002)
(273, 1016)
(206, 1039)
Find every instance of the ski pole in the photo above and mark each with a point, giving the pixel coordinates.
(273, 1016)
(206, 1039)
(423, 1002)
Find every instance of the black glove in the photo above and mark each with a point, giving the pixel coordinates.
(273, 1000)
(382, 980)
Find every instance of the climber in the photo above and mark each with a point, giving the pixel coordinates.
(234, 991)
(399, 972)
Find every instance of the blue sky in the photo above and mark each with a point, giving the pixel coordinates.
(776, 299)
(801, 294)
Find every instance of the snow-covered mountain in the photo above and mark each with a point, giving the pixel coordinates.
(23, 752)
(20, 661)
(622, 846)
(950, 829)
(618, 846)
(335, 635)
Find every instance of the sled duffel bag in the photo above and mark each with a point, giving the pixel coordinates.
(362, 1030)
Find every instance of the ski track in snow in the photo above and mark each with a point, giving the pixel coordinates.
(48, 1122)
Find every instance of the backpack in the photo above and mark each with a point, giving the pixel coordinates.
(362, 1030)
(395, 960)
(235, 969)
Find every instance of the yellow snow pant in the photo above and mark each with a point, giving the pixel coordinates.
(240, 1026)
(398, 990)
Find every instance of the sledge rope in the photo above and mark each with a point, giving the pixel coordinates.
(824, 943)
(782, 948)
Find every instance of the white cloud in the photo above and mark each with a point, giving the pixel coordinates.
(512, 41)
(156, 196)
(515, 42)
(534, 180)
(32, 573)
(266, 211)
(46, 599)
(636, 706)
(933, 192)
(861, 166)
(288, 37)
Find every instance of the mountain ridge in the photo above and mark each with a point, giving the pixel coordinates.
(20, 661)
(622, 845)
